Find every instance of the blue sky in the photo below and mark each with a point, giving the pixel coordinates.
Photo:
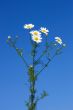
(57, 79)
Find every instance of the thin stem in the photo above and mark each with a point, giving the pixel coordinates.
(32, 83)
(45, 65)
(21, 57)
(45, 51)
(24, 61)
(14, 46)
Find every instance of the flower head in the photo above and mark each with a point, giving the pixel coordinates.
(31, 66)
(64, 45)
(37, 39)
(9, 37)
(58, 40)
(28, 26)
(35, 33)
(44, 30)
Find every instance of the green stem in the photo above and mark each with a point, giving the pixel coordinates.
(32, 85)
(45, 65)
(44, 52)
(13, 45)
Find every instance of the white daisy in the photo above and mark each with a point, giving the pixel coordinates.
(37, 39)
(31, 66)
(44, 30)
(35, 33)
(28, 26)
(58, 40)
(64, 45)
(9, 37)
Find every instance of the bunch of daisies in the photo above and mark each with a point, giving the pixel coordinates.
(37, 35)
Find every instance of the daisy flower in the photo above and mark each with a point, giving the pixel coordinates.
(9, 37)
(64, 45)
(44, 30)
(37, 39)
(28, 26)
(31, 66)
(58, 40)
(35, 33)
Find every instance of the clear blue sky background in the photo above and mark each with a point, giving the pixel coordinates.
(57, 15)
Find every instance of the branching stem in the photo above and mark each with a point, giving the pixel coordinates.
(46, 65)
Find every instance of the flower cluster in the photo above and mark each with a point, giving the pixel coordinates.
(37, 34)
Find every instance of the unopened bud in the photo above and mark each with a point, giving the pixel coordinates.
(64, 45)
(9, 37)
(31, 66)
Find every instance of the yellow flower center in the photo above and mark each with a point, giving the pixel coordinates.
(36, 38)
(28, 26)
(43, 30)
(59, 40)
(36, 33)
